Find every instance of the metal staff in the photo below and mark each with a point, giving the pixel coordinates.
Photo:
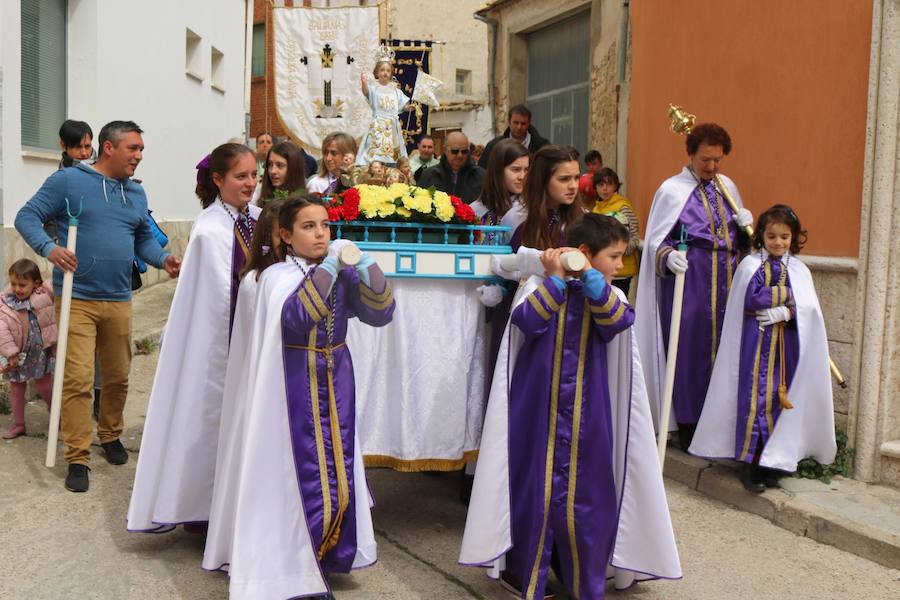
(671, 358)
(682, 123)
(61, 344)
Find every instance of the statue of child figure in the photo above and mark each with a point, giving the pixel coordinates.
(384, 139)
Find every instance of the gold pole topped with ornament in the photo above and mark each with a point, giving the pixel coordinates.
(682, 123)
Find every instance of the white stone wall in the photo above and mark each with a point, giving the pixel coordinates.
(126, 60)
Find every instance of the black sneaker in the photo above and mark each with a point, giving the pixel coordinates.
(77, 479)
(115, 452)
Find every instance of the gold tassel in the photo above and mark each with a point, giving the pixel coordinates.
(783, 399)
(782, 387)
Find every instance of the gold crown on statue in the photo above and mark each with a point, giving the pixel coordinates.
(384, 54)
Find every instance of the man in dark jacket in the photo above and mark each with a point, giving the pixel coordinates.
(455, 174)
(519, 129)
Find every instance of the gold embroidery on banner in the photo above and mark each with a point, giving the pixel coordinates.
(320, 440)
(553, 304)
(536, 304)
(551, 444)
(573, 453)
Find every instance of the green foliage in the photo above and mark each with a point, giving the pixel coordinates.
(810, 468)
(145, 345)
(4, 405)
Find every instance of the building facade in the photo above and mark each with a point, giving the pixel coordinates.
(177, 69)
(814, 125)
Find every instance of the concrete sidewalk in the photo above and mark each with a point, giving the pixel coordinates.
(851, 515)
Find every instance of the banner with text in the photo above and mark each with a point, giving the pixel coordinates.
(319, 56)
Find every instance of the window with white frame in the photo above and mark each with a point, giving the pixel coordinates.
(43, 86)
(217, 69)
(463, 82)
(193, 61)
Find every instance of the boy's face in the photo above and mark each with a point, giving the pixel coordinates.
(605, 189)
(608, 260)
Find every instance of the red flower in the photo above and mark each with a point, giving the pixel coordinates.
(463, 211)
(334, 213)
(351, 196)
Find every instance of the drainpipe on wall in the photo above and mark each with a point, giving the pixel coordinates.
(248, 60)
(622, 96)
(623, 43)
(493, 24)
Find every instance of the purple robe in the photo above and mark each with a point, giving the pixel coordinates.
(563, 493)
(759, 374)
(240, 254)
(321, 400)
(712, 260)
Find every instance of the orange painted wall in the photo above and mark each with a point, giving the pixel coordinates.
(788, 80)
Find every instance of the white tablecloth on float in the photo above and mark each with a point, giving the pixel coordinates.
(420, 381)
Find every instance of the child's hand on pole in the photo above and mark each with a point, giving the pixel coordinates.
(551, 262)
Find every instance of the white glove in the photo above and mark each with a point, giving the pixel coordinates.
(335, 248)
(743, 218)
(530, 262)
(490, 295)
(770, 316)
(498, 270)
(677, 261)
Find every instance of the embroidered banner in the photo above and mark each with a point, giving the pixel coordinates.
(410, 55)
(319, 56)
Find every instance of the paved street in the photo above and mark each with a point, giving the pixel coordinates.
(55, 544)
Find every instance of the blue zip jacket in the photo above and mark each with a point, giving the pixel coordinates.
(112, 228)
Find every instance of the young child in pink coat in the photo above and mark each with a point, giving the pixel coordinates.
(27, 338)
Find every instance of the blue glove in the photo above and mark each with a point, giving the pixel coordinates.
(362, 267)
(331, 265)
(594, 283)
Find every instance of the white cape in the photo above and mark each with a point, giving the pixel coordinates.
(808, 428)
(174, 478)
(258, 529)
(667, 205)
(645, 543)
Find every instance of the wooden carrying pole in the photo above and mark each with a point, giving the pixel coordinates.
(671, 360)
(65, 309)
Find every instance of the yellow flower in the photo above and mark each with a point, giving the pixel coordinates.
(386, 208)
(404, 212)
(443, 208)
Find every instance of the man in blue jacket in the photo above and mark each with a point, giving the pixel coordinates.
(112, 228)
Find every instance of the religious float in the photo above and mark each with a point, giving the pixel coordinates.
(421, 381)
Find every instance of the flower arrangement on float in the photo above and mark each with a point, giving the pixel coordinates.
(398, 202)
